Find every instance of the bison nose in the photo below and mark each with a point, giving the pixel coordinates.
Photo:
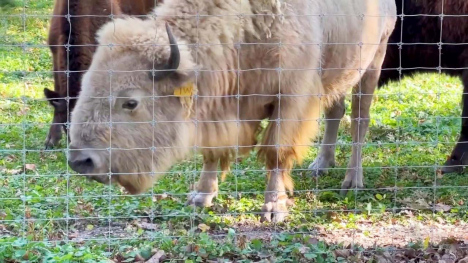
(82, 166)
(80, 162)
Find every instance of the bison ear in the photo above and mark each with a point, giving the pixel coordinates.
(52, 96)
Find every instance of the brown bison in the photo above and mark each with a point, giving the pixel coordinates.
(222, 74)
(424, 42)
(72, 43)
(433, 43)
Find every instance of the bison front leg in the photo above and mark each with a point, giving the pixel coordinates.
(207, 185)
(286, 140)
(361, 103)
(276, 204)
(359, 127)
(55, 131)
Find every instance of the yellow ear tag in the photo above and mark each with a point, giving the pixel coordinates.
(184, 91)
(185, 94)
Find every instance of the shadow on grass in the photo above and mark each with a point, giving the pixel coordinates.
(8, 3)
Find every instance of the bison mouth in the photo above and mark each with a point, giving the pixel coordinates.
(455, 164)
(116, 178)
(103, 179)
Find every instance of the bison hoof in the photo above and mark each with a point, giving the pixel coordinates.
(320, 166)
(51, 141)
(276, 211)
(452, 166)
(201, 199)
(352, 180)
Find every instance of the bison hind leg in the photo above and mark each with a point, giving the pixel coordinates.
(326, 157)
(54, 136)
(360, 118)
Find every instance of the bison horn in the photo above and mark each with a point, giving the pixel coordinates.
(174, 59)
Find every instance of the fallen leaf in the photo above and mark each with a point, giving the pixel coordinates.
(379, 197)
(442, 208)
(147, 226)
(139, 258)
(160, 197)
(439, 173)
(190, 248)
(27, 212)
(416, 204)
(440, 220)
(426, 242)
(203, 227)
(10, 158)
(242, 242)
(342, 253)
(381, 259)
(312, 240)
(156, 258)
(303, 249)
(410, 253)
(22, 111)
(30, 167)
(89, 227)
(13, 171)
(449, 258)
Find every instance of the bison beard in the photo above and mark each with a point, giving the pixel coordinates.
(87, 16)
(150, 131)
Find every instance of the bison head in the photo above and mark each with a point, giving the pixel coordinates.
(128, 126)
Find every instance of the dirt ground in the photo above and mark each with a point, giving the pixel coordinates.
(383, 241)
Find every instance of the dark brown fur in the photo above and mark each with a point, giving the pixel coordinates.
(72, 43)
(429, 31)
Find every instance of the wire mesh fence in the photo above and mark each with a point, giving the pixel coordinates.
(199, 89)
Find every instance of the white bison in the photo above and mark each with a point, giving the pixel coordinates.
(217, 68)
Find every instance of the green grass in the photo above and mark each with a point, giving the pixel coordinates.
(415, 125)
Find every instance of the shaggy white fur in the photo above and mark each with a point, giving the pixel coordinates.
(249, 61)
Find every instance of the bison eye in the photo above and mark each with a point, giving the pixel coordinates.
(130, 104)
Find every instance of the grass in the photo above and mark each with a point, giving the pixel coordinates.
(42, 209)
